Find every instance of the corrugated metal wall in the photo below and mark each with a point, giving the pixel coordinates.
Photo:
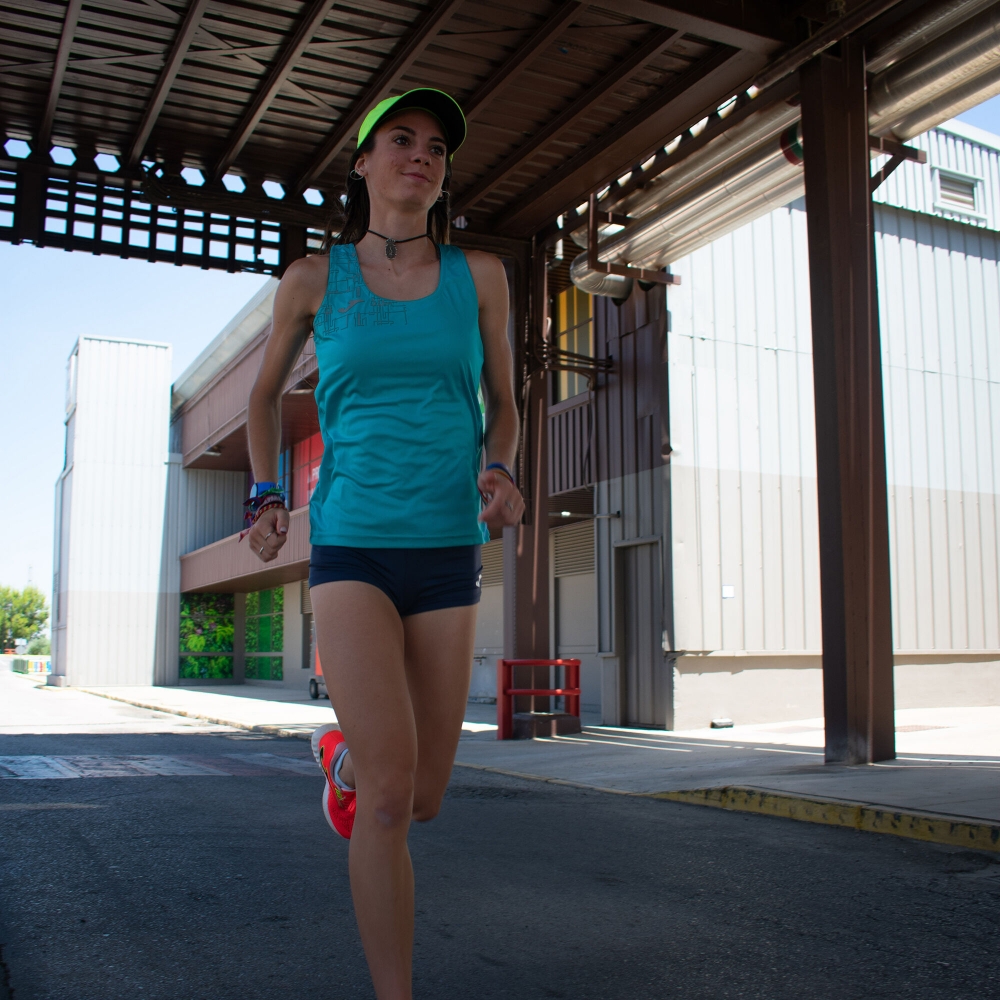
(743, 463)
(201, 508)
(745, 549)
(915, 186)
(939, 288)
(632, 445)
(574, 591)
(109, 577)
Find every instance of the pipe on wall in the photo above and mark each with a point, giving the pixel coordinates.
(767, 124)
(731, 183)
(965, 53)
(920, 30)
(614, 286)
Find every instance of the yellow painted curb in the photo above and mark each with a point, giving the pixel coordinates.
(937, 829)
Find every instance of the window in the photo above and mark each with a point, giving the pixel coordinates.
(306, 456)
(956, 192)
(265, 634)
(574, 331)
(206, 636)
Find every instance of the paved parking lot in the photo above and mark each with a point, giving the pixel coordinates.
(230, 885)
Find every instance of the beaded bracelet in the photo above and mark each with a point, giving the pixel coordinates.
(255, 504)
(251, 518)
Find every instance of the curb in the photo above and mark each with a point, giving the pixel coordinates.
(245, 726)
(949, 830)
(952, 831)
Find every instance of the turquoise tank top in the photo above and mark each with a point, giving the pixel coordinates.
(398, 402)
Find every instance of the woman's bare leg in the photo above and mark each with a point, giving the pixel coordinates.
(360, 639)
(399, 688)
(439, 647)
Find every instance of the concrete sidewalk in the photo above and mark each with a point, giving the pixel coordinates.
(255, 708)
(944, 784)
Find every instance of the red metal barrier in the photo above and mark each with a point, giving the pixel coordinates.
(506, 692)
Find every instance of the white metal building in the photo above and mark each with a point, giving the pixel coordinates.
(743, 468)
(109, 513)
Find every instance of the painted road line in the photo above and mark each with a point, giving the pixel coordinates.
(952, 830)
(175, 767)
(297, 765)
(37, 768)
(37, 806)
(32, 767)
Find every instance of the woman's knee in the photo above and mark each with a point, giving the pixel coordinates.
(390, 798)
(426, 804)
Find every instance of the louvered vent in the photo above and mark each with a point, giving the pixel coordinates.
(574, 549)
(493, 563)
(307, 604)
(957, 191)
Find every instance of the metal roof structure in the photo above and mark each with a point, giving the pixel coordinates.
(191, 100)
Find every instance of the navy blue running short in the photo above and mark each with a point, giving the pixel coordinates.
(415, 580)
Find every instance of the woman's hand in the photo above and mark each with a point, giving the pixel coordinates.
(505, 506)
(269, 533)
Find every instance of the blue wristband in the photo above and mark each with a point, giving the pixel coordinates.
(503, 468)
(260, 488)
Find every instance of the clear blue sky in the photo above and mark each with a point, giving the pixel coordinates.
(48, 298)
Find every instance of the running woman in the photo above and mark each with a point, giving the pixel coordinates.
(407, 328)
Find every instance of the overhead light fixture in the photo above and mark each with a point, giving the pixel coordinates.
(214, 452)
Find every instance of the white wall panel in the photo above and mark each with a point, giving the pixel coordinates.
(109, 570)
(743, 462)
(940, 307)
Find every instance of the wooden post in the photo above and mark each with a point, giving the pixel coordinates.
(526, 546)
(850, 429)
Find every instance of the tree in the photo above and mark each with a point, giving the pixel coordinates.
(23, 614)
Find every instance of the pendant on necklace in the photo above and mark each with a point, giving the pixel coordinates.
(390, 249)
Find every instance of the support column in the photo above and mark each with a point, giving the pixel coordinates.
(526, 546)
(850, 428)
(29, 204)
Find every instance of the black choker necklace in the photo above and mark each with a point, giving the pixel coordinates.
(391, 244)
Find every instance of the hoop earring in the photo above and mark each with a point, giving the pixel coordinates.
(355, 176)
(444, 194)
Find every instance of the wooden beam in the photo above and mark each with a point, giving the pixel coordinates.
(307, 27)
(522, 55)
(580, 107)
(168, 74)
(692, 22)
(58, 72)
(676, 107)
(850, 424)
(437, 16)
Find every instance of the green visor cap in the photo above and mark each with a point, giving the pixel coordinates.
(442, 106)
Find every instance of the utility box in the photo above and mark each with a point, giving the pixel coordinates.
(109, 510)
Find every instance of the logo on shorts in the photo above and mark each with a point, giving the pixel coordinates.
(479, 581)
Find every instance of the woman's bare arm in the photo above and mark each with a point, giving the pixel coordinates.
(295, 305)
(506, 505)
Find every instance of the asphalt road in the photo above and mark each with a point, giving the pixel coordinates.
(232, 886)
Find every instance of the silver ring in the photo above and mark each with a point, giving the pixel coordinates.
(508, 505)
(268, 535)
(261, 551)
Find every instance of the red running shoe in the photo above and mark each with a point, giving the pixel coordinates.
(338, 805)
